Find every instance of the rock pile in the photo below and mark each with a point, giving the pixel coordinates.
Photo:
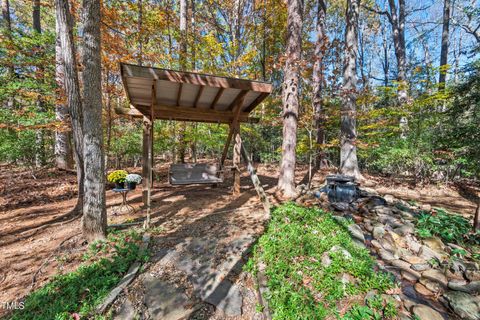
(435, 283)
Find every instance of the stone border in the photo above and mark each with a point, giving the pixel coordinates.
(261, 290)
(126, 280)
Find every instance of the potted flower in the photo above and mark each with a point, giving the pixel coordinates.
(132, 180)
(118, 177)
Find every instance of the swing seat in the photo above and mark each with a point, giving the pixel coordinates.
(194, 173)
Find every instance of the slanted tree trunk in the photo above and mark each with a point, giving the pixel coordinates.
(286, 181)
(63, 148)
(319, 118)
(348, 131)
(72, 90)
(444, 48)
(94, 222)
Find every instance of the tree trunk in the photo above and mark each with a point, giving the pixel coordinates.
(7, 24)
(139, 26)
(476, 219)
(397, 21)
(286, 181)
(194, 38)
(182, 148)
(183, 34)
(72, 89)
(94, 222)
(444, 48)
(348, 131)
(385, 63)
(63, 148)
(319, 118)
(39, 140)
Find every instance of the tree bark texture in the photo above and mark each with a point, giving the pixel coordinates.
(286, 181)
(348, 131)
(63, 148)
(7, 25)
(183, 34)
(94, 222)
(72, 89)
(39, 139)
(476, 218)
(444, 49)
(397, 21)
(318, 80)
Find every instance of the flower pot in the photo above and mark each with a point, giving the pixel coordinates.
(119, 185)
(131, 185)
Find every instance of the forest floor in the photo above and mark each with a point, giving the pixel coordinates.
(39, 238)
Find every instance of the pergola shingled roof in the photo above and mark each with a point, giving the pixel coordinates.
(188, 96)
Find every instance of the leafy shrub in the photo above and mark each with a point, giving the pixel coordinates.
(449, 227)
(117, 176)
(400, 158)
(301, 286)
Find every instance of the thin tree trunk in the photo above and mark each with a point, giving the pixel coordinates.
(348, 131)
(444, 49)
(183, 34)
(72, 90)
(319, 118)
(39, 139)
(397, 20)
(183, 63)
(7, 24)
(94, 222)
(194, 37)
(63, 148)
(139, 27)
(286, 181)
(476, 219)
(386, 62)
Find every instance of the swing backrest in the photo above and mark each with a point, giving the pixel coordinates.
(193, 173)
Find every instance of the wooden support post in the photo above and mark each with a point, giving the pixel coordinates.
(255, 180)
(236, 159)
(227, 144)
(146, 161)
(148, 123)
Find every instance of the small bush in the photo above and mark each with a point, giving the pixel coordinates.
(449, 227)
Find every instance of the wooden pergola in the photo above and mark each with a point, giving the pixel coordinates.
(156, 93)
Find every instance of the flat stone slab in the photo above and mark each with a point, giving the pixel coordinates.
(165, 301)
(126, 311)
(207, 265)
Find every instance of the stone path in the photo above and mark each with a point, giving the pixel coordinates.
(196, 272)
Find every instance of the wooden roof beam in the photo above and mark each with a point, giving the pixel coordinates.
(238, 98)
(217, 97)
(199, 94)
(179, 94)
(256, 102)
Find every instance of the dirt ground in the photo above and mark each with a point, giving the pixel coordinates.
(40, 238)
